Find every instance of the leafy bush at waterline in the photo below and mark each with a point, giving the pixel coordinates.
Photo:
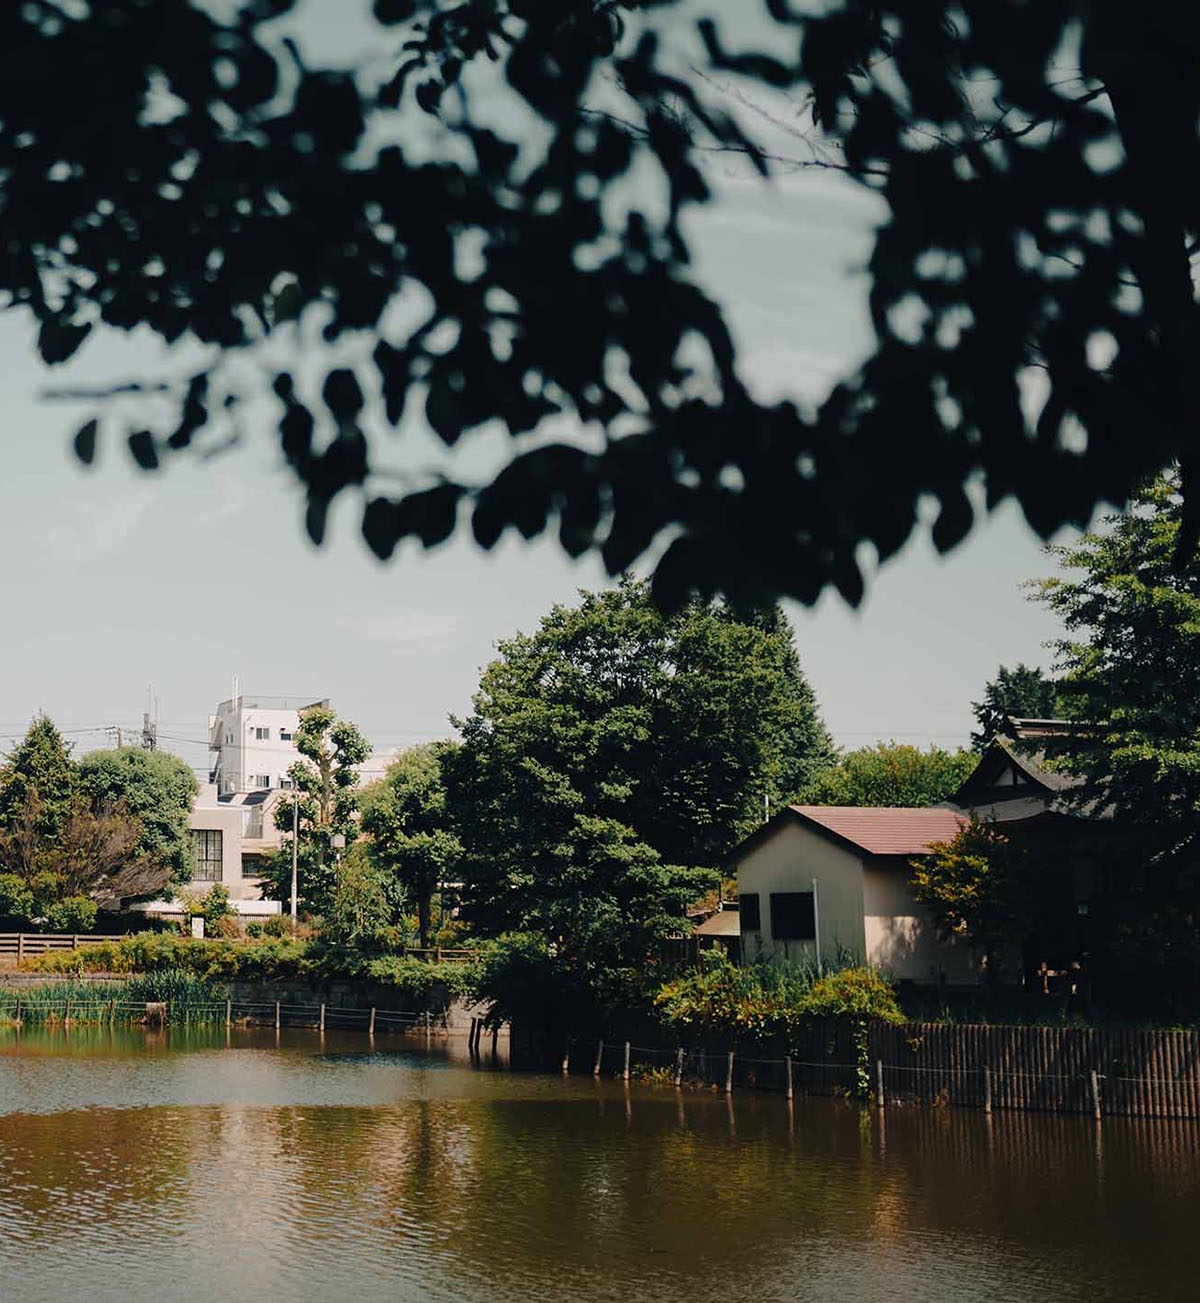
(276, 960)
(760, 1000)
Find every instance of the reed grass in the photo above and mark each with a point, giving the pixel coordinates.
(188, 998)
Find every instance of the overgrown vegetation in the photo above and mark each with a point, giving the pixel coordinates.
(268, 960)
(719, 998)
(74, 835)
(188, 997)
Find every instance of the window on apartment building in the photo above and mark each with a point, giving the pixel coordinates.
(284, 735)
(262, 734)
(751, 920)
(793, 917)
(208, 849)
(260, 780)
(251, 868)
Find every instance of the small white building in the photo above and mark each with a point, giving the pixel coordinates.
(824, 882)
(253, 742)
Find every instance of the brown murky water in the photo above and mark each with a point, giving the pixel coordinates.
(183, 1168)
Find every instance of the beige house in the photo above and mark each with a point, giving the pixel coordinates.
(820, 882)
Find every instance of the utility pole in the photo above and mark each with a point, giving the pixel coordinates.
(295, 852)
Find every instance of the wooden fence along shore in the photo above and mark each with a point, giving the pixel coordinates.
(1103, 1072)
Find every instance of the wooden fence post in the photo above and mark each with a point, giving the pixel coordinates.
(880, 1098)
(599, 1057)
(679, 1067)
(371, 1024)
(67, 1019)
(322, 1018)
(228, 1012)
(788, 1068)
(987, 1089)
(1095, 1095)
(626, 1073)
(729, 1074)
(20, 946)
(276, 1015)
(74, 942)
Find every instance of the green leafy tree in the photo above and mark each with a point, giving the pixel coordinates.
(154, 788)
(613, 759)
(1130, 659)
(326, 782)
(890, 773)
(1024, 691)
(411, 839)
(1030, 277)
(37, 783)
(16, 899)
(361, 910)
(983, 887)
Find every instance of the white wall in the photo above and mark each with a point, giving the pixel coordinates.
(901, 938)
(242, 754)
(227, 819)
(789, 859)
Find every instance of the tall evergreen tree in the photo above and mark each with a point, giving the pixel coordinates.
(38, 781)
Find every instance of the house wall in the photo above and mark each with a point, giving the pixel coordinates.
(901, 938)
(228, 820)
(788, 860)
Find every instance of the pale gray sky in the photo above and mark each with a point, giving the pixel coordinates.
(116, 580)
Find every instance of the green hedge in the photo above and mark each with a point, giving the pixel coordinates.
(274, 960)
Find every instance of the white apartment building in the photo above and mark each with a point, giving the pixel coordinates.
(252, 742)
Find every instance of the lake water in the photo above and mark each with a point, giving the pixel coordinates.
(179, 1167)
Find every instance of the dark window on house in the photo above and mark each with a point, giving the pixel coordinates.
(206, 843)
(262, 734)
(748, 909)
(792, 917)
(284, 735)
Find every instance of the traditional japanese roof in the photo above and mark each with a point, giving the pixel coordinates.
(885, 830)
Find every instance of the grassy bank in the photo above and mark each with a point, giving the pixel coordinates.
(153, 953)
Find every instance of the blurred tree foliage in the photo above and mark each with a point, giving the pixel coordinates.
(451, 234)
(891, 773)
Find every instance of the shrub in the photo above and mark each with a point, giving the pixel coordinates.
(278, 925)
(254, 929)
(16, 898)
(214, 906)
(72, 914)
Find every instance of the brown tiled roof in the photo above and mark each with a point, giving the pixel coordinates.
(882, 830)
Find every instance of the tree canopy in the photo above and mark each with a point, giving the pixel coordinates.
(890, 773)
(409, 827)
(153, 787)
(613, 759)
(1130, 659)
(326, 783)
(38, 781)
(484, 225)
(1024, 691)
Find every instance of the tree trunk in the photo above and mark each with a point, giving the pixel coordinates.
(424, 909)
